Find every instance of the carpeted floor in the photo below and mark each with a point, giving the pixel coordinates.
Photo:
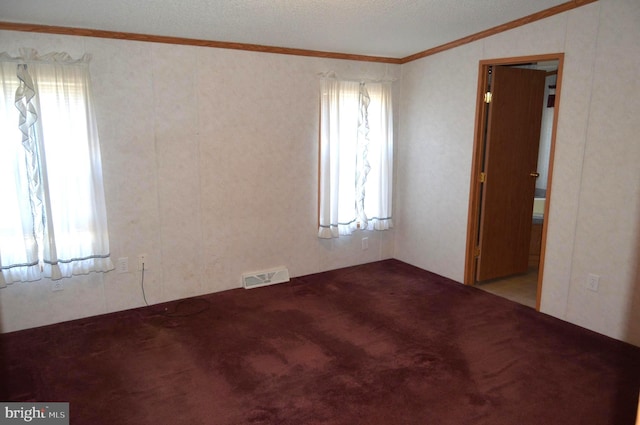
(383, 343)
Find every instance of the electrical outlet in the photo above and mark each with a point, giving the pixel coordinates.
(56, 286)
(365, 243)
(122, 265)
(593, 280)
(142, 262)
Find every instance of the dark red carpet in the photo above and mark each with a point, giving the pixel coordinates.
(383, 343)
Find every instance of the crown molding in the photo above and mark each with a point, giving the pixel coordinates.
(86, 32)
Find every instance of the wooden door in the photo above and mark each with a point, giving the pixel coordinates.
(511, 156)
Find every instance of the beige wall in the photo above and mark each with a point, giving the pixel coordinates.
(210, 167)
(595, 202)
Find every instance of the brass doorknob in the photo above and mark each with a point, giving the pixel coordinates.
(536, 175)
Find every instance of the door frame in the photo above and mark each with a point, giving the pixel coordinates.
(478, 157)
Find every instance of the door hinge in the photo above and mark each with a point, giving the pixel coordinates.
(476, 252)
(483, 177)
(487, 97)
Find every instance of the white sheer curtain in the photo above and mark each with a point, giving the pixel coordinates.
(356, 157)
(53, 218)
(18, 247)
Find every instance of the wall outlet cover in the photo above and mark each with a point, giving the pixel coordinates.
(593, 281)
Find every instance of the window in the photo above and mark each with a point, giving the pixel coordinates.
(356, 157)
(53, 217)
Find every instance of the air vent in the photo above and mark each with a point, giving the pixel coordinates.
(265, 277)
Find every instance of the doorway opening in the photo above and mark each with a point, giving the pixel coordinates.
(510, 192)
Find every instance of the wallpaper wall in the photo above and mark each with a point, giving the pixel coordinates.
(210, 168)
(595, 201)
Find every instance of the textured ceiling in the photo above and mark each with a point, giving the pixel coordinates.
(388, 28)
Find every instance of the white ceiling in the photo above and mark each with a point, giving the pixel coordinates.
(388, 28)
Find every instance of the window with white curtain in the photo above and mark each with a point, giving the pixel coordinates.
(52, 211)
(356, 157)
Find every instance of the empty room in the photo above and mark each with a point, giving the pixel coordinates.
(364, 212)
